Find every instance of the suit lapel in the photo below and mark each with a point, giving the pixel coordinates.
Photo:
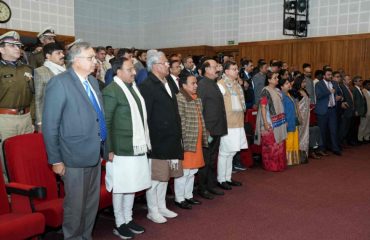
(217, 89)
(163, 88)
(76, 81)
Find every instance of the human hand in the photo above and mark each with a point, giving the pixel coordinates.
(174, 164)
(267, 126)
(110, 157)
(59, 169)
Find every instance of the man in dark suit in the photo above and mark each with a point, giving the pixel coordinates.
(326, 111)
(189, 67)
(348, 110)
(246, 75)
(173, 78)
(74, 132)
(338, 97)
(214, 115)
(165, 135)
(360, 107)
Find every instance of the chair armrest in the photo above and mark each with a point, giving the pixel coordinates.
(22, 196)
(26, 190)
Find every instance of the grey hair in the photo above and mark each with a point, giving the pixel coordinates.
(76, 49)
(152, 57)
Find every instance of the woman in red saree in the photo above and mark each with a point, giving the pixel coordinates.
(271, 126)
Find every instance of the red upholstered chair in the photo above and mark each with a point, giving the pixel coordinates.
(15, 223)
(26, 162)
(313, 118)
(105, 196)
(251, 117)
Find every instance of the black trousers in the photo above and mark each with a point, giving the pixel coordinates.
(207, 176)
(344, 129)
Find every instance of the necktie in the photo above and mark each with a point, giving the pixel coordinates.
(331, 97)
(102, 126)
(350, 92)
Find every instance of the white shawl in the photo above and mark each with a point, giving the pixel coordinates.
(55, 68)
(140, 132)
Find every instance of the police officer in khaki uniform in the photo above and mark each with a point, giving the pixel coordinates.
(37, 57)
(16, 90)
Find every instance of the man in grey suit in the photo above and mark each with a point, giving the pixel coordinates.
(310, 88)
(74, 132)
(258, 82)
(53, 65)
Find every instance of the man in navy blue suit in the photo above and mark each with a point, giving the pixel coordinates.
(326, 111)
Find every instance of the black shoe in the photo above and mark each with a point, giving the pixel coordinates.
(338, 153)
(322, 153)
(183, 205)
(215, 191)
(135, 228)
(234, 183)
(205, 194)
(313, 155)
(123, 232)
(353, 143)
(224, 186)
(193, 201)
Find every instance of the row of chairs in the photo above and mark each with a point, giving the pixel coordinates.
(36, 192)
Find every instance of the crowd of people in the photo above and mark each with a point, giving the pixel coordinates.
(154, 117)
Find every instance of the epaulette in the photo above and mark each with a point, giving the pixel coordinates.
(2, 62)
(20, 63)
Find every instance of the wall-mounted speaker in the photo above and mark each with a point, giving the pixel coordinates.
(295, 19)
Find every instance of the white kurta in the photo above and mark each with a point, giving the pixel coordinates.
(234, 140)
(128, 174)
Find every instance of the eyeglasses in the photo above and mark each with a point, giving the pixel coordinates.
(90, 58)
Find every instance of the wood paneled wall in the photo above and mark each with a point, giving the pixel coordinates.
(194, 50)
(350, 52)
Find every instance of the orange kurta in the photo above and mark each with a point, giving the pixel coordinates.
(195, 159)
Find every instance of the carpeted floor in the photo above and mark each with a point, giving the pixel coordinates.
(327, 199)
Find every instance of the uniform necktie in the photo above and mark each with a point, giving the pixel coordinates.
(102, 126)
